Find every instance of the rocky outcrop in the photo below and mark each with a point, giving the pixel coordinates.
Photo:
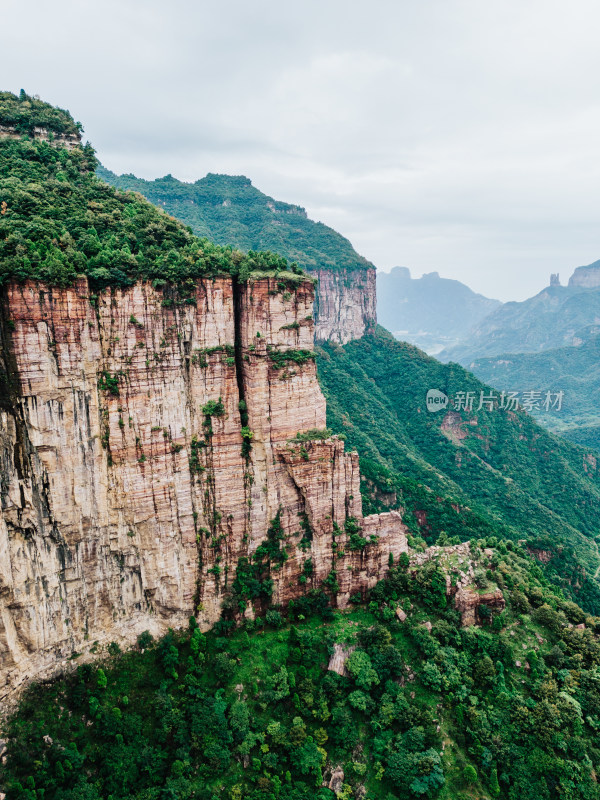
(148, 448)
(345, 306)
(468, 602)
(337, 662)
(459, 565)
(586, 277)
(67, 140)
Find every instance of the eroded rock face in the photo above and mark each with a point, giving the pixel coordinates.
(68, 140)
(345, 307)
(587, 277)
(468, 602)
(127, 493)
(459, 564)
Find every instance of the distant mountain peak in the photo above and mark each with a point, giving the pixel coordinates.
(557, 316)
(400, 272)
(431, 312)
(221, 179)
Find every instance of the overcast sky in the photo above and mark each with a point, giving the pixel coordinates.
(453, 135)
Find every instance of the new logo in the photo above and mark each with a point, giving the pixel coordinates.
(436, 400)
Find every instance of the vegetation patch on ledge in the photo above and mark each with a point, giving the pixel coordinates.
(311, 435)
(291, 276)
(282, 358)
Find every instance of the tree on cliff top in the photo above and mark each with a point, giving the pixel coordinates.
(230, 210)
(59, 220)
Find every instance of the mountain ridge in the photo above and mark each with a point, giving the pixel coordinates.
(231, 211)
(557, 316)
(430, 312)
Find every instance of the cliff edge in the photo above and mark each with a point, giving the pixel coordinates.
(229, 210)
(152, 467)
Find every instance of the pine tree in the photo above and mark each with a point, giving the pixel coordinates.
(494, 785)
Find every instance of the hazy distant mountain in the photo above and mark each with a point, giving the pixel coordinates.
(575, 371)
(558, 316)
(430, 311)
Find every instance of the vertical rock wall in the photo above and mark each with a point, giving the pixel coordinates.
(127, 493)
(345, 306)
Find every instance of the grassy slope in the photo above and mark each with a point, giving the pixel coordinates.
(230, 211)
(506, 476)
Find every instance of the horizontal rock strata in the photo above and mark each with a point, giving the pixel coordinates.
(147, 444)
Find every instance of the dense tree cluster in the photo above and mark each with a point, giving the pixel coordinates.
(427, 710)
(25, 113)
(230, 211)
(58, 220)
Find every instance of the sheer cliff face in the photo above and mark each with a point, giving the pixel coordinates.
(345, 306)
(127, 492)
(586, 277)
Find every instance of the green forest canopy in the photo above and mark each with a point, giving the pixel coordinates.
(24, 113)
(58, 220)
(427, 709)
(230, 211)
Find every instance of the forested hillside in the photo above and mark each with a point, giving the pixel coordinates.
(59, 220)
(574, 371)
(25, 114)
(413, 709)
(229, 210)
(492, 472)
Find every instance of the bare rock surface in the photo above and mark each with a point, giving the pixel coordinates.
(346, 304)
(337, 662)
(126, 500)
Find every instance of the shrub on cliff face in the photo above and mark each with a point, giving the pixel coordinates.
(314, 434)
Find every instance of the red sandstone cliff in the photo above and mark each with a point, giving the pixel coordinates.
(127, 496)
